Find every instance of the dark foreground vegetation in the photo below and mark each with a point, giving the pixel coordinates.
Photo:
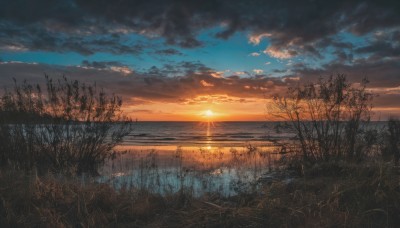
(67, 128)
(328, 195)
(343, 170)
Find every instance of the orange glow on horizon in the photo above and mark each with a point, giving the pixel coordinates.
(252, 110)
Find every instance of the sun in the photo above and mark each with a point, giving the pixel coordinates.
(209, 113)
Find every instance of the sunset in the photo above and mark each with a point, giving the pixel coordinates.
(213, 113)
(171, 61)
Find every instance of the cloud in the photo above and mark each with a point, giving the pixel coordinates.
(280, 53)
(13, 48)
(107, 65)
(215, 99)
(188, 81)
(343, 56)
(206, 84)
(100, 64)
(169, 51)
(255, 54)
(279, 70)
(383, 76)
(38, 38)
(383, 46)
(122, 69)
(76, 25)
(383, 73)
(258, 71)
(256, 39)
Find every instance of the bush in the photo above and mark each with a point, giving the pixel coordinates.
(69, 128)
(327, 118)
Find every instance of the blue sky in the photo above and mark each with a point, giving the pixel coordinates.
(232, 54)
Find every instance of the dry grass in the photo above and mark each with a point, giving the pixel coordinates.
(329, 195)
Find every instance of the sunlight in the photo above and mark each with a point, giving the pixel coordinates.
(209, 113)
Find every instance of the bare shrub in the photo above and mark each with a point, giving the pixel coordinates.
(327, 118)
(70, 127)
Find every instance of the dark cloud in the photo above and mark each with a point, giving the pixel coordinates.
(279, 70)
(37, 37)
(177, 69)
(101, 64)
(343, 56)
(169, 51)
(190, 81)
(383, 76)
(383, 73)
(30, 12)
(294, 26)
(384, 100)
(380, 49)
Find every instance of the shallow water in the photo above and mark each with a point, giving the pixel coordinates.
(223, 157)
(165, 169)
(200, 157)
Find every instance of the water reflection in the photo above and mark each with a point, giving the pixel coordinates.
(167, 169)
(202, 157)
(208, 129)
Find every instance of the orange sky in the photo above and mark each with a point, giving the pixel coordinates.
(255, 109)
(252, 110)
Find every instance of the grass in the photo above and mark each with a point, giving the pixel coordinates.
(328, 195)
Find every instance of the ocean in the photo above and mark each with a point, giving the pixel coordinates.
(201, 134)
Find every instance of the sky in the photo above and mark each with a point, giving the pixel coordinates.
(172, 60)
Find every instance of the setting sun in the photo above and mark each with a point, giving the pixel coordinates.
(209, 113)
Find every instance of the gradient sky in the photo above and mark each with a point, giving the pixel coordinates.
(173, 60)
